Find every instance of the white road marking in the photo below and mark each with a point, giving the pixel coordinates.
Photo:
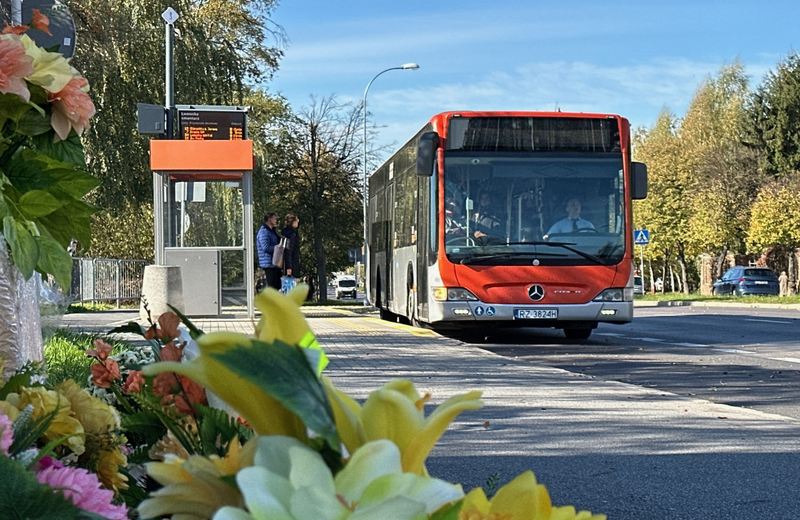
(768, 321)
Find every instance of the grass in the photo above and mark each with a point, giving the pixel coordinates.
(65, 355)
(697, 297)
(79, 308)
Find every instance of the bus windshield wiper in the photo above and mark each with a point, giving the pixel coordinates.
(502, 256)
(565, 245)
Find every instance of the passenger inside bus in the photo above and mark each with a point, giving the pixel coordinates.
(487, 224)
(454, 222)
(572, 223)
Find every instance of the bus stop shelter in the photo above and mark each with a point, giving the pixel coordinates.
(203, 213)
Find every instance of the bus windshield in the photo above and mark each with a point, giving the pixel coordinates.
(513, 208)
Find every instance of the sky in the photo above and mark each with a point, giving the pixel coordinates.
(632, 58)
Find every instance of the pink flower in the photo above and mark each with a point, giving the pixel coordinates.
(134, 382)
(15, 66)
(41, 22)
(72, 108)
(6, 434)
(84, 490)
(105, 373)
(101, 350)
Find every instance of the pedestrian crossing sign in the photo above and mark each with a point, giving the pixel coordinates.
(641, 237)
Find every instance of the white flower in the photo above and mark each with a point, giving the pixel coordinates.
(291, 482)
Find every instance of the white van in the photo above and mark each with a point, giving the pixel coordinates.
(346, 287)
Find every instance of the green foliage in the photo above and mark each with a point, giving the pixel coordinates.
(224, 48)
(217, 429)
(774, 114)
(283, 371)
(65, 355)
(491, 485)
(42, 184)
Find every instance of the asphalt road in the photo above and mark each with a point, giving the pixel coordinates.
(740, 357)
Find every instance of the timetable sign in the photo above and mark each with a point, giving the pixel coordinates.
(204, 125)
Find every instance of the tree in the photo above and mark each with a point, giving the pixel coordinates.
(223, 50)
(313, 164)
(774, 116)
(665, 211)
(725, 176)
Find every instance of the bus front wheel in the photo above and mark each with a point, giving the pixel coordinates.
(578, 333)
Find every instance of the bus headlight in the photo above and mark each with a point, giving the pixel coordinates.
(441, 294)
(619, 294)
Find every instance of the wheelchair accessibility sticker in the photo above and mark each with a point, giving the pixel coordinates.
(481, 311)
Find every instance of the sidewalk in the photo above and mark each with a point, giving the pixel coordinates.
(601, 445)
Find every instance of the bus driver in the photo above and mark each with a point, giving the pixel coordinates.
(573, 223)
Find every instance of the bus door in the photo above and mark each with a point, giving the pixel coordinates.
(423, 211)
(390, 245)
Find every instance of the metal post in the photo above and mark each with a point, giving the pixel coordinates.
(118, 277)
(170, 79)
(16, 12)
(407, 66)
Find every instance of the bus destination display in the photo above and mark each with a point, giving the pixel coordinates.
(199, 125)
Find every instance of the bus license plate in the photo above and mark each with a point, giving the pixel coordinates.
(535, 314)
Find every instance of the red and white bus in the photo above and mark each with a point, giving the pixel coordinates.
(473, 223)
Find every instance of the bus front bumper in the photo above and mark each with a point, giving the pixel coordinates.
(557, 315)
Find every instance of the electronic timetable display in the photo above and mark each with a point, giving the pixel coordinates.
(203, 125)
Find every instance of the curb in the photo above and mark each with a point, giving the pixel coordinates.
(740, 305)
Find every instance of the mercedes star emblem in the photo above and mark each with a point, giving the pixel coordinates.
(536, 292)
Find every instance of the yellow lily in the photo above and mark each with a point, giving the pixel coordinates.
(395, 412)
(194, 488)
(520, 499)
(281, 320)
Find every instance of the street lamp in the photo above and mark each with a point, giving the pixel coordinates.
(407, 66)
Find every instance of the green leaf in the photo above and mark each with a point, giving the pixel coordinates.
(27, 174)
(282, 371)
(34, 123)
(144, 423)
(448, 512)
(69, 151)
(24, 249)
(54, 260)
(131, 327)
(217, 428)
(37, 203)
(14, 384)
(12, 107)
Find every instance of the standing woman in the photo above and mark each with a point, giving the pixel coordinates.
(266, 240)
(291, 258)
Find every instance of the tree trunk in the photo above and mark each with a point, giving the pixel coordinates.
(319, 253)
(682, 263)
(721, 261)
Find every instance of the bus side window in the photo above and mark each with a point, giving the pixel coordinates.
(434, 214)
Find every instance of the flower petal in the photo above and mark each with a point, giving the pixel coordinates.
(419, 448)
(232, 513)
(397, 508)
(345, 413)
(311, 503)
(372, 460)
(273, 453)
(389, 414)
(266, 494)
(309, 470)
(431, 492)
(523, 499)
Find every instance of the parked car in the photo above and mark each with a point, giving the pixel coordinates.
(741, 280)
(638, 285)
(346, 287)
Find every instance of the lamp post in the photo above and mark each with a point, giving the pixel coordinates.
(407, 66)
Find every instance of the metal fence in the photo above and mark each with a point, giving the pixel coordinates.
(106, 279)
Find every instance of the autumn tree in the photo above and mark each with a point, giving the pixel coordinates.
(725, 177)
(313, 165)
(222, 51)
(665, 211)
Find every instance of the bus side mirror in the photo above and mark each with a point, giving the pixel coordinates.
(639, 181)
(426, 151)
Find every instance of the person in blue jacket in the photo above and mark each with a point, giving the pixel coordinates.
(266, 240)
